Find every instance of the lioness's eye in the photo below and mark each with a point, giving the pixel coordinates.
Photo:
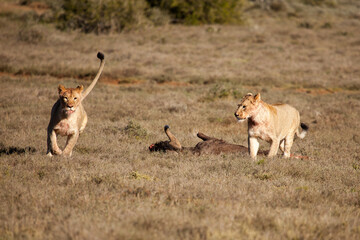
(244, 107)
(75, 98)
(65, 98)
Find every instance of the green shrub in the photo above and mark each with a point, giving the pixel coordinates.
(118, 15)
(202, 11)
(133, 129)
(101, 16)
(157, 16)
(221, 92)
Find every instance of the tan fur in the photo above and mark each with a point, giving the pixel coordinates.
(68, 117)
(276, 124)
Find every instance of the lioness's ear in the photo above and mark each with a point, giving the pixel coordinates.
(80, 88)
(61, 89)
(257, 97)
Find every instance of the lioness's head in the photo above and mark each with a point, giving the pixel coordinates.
(70, 98)
(247, 106)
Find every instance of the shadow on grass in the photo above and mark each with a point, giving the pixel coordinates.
(16, 150)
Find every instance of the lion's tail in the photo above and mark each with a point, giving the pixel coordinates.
(304, 131)
(92, 85)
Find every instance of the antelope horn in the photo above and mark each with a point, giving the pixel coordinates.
(173, 140)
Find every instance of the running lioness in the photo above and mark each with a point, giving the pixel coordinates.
(68, 116)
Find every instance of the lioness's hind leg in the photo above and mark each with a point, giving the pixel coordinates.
(282, 145)
(289, 139)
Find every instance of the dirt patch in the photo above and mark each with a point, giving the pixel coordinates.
(121, 82)
(106, 80)
(37, 7)
(317, 91)
(175, 84)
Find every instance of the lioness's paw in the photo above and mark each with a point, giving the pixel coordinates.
(67, 153)
(57, 152)
(286, 155)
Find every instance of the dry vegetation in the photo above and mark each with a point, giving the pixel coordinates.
(190, 78)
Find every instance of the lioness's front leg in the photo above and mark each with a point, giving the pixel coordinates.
(53, 148)
(70, 144)
(274, 148)
(253, 146)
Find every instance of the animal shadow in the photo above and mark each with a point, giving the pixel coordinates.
(15, 150)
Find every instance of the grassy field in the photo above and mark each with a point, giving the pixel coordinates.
(191, 78)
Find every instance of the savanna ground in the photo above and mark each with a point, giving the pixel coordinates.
(192, 79)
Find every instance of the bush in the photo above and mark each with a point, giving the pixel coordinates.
(133, 129)
(221, 92)
(101, 16)
(118, 15)
(201, 11)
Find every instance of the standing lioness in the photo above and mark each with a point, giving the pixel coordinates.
(68, 116)
(276, 124)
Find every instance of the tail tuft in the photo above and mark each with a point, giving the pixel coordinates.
(304, 126)
(100, 56)
(166, 127)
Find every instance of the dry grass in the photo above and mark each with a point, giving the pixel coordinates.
(189, 78)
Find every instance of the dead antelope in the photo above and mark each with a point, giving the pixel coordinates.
(209, 145)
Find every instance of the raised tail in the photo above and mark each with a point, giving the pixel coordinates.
(304, 131)
(92, 85)
(173, 140)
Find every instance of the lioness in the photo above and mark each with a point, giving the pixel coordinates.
(276, 123)
(68, 116)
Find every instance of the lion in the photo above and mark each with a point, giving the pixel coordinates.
(274, 123)
(68, 116)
